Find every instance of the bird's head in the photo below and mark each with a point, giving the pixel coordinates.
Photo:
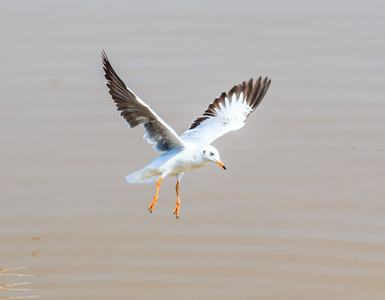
(209, 153)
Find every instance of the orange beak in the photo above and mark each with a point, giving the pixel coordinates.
(221, 164)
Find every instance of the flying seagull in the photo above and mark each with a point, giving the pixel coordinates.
(192, 149)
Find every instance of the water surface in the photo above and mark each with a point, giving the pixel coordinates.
(298, 214)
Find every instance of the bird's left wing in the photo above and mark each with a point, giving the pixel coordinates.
(227, 112)
(136, 112)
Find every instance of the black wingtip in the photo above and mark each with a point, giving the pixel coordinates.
(105, 61)
(104, 55)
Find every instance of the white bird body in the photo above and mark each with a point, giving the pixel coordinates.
(192, 149)
(171, 163)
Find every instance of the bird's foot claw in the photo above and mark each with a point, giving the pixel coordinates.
(151, 207)
(176, 210)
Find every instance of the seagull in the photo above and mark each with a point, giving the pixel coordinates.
(193, 148)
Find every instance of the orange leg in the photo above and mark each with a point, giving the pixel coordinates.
(150, 208)
(176, 209)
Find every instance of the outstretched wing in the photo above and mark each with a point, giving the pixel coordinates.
(136, 112)
(228, 112)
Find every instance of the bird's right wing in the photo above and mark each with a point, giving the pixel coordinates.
(136, 112)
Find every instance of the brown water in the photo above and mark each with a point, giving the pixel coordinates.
(300, 212)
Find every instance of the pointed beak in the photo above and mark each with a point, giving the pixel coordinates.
(221, 164)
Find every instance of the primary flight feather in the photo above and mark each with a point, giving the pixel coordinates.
(192, 149)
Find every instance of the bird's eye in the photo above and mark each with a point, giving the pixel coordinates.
(204, 151)
(211, 154)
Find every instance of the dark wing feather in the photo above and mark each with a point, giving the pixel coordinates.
(136, 112)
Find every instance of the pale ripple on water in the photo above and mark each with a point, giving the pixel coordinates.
(15, 287)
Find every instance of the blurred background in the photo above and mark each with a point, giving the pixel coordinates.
(299, 213)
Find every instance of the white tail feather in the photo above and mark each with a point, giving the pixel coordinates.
(144, 175)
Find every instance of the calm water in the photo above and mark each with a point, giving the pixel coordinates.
(299, 214)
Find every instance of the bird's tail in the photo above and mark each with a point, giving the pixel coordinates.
(144, 175)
